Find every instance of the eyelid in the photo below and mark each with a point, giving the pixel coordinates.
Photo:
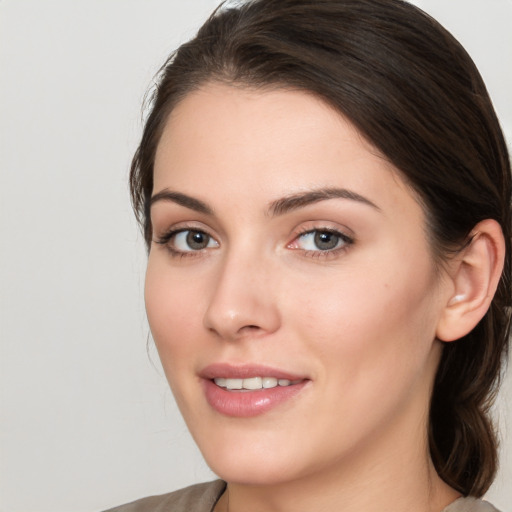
(169, 229)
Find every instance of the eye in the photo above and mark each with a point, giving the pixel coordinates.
(182, 241)
(321, 240)
(190, 240)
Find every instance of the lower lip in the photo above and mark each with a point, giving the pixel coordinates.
(245, 404)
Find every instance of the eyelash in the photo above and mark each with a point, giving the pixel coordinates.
(166, 238)
(346, 240)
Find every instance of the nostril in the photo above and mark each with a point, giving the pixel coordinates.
(250, 328)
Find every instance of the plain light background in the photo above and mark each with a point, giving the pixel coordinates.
(87, 421)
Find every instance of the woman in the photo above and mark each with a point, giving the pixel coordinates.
(325, 194)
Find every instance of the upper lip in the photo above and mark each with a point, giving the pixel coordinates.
(245, 371)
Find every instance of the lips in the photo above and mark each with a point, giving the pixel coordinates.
(248, 390)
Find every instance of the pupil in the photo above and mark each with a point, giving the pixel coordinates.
(197, 240)
(325, 240)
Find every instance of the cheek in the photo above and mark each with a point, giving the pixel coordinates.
(159, 300)
(170, 315)
(372, 326)
(172, 309)
(373, 350)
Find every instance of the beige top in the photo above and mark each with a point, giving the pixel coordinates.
(203, 497)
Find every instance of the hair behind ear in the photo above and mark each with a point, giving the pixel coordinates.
(462, 437)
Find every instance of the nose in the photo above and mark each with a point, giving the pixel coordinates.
(243, 301)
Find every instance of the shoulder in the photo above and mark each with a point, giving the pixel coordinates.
(196, 498)
(470, 505)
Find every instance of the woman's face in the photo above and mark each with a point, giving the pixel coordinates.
(289, 258)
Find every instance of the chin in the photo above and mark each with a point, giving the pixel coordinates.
(262, 458)
(249, 459)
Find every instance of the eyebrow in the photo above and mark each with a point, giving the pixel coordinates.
(295, 201)
(182, 199)
(276, 208)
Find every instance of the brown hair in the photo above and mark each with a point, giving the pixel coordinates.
(413, 91)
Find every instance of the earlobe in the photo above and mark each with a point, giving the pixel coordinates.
(475, 274)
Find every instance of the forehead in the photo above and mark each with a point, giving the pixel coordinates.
(232, 140)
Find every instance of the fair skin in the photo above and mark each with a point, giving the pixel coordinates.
(338, 290)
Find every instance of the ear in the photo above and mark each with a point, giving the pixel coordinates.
(474, 274)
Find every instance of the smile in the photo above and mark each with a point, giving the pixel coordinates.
(249, 390)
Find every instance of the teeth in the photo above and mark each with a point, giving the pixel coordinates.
(253, 383)
(269, 382)
(234, 383)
